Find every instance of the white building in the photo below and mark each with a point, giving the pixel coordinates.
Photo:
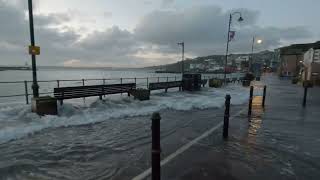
(311, 63)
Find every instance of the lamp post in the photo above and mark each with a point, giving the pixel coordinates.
(35, 86)
(228, 40)
(182, 63)
(259, 41)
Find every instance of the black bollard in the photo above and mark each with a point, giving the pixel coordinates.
(264, 95)
(305, 96)
(156, 149)
(250, 101)
(226, 117)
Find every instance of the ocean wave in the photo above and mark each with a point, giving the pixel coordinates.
(18, 121)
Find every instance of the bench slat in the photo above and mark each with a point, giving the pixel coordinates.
(165, 85)
(96, 90)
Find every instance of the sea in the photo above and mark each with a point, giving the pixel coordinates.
(92, 138)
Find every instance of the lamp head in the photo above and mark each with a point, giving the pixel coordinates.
(240, 19)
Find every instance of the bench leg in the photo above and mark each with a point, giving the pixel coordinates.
(166, 90)
(100, 97)
(61, 102)
(128, 94)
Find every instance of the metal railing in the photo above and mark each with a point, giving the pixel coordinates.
(23, 88)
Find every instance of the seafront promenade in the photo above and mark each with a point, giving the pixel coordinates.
(280, 141)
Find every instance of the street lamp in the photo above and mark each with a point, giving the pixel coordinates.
(35, 86)
(182, 63)
(258, 41)
(228, 40)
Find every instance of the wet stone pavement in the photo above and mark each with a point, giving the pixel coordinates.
(281, 141)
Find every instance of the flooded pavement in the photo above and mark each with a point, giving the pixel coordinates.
(280, 141)
(112, 149)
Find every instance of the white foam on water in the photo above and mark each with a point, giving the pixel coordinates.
(18, 121)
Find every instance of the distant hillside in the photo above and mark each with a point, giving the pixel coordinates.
(261, 57)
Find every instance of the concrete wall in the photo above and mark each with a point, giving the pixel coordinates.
(290, 64)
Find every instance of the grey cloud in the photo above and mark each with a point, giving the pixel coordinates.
(51, 19)
(107, 14)
(147, 2)
(167, 2)
(110, 46)
(204, 30)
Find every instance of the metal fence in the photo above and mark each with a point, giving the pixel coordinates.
(21, 90)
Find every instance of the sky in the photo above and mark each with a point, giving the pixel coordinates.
(138, 33)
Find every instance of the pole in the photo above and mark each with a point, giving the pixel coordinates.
(26, 91)
(104, 83)
(156, 149)
(251, 58)
(182, 58)
(227, 50)
(84, 99)
(35, 86)
(250, 101)
(121, 83)
(226, 117)
(305, 96)
(264, 95)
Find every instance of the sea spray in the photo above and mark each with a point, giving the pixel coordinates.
(17, 120)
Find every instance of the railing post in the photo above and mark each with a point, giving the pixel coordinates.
(58, 83)
(304, 102)
(26, 91)
(156, 149)
(175, 78)
(135, 80)
(167, 79)
(264, 95)
(147, 83)
(84, 99)
(226, 117)
(104, 83)
(121, 83)
(250, 101)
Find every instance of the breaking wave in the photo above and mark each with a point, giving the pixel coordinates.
(18, 121)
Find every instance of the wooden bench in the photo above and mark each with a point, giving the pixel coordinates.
(87, 91)
(204, 82)
(165, 85)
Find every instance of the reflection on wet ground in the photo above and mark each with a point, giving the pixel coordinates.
(280, 141)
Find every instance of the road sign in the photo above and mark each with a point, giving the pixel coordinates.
(34, 50)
